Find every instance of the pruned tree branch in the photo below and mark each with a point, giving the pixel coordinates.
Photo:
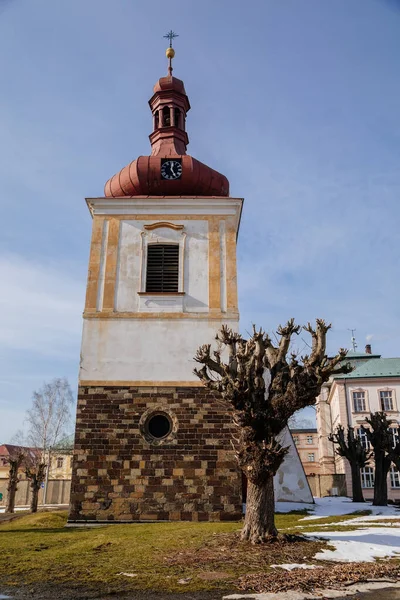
(265, 385)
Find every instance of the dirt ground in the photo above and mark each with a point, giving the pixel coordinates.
(49, 592)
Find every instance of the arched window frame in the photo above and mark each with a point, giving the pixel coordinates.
(166, 116)
(177, 116)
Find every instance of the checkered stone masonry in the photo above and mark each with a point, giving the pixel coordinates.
(118, 475)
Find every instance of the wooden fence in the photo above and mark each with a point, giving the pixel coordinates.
(328, 485)
(58, 492)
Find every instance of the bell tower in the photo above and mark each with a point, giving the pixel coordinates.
(151, 442)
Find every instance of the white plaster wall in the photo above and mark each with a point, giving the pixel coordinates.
(128, 266)
(371, 390)
(144, 349)
(324, 426)
(195, 264)
(337, 418)
(196, 267)
(290, 482)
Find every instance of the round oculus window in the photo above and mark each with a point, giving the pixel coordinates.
(159, 426)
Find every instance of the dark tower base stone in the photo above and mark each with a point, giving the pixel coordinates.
(122, 473)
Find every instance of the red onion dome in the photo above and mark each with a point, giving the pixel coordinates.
(142, 177)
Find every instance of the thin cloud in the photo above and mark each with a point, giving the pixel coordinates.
(40, 308)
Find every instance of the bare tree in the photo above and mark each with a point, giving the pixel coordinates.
(35, 470)
(47, 422)
(385, 451)
(351, 448)
(296, 421)
(264, 388)
(15, 461)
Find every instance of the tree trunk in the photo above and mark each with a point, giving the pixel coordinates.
(12, 490)
(12, 483)
(356, 483)
(35, 496)
(259, 522)
(380, 481)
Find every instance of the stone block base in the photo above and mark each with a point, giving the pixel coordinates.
(122, 473)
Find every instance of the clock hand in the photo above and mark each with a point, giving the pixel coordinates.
(172, 169)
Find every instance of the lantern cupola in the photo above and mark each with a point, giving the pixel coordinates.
(168, 170)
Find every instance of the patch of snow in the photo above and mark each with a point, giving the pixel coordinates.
(371, 520)
(382, 520)
(292, 567)
(128, 574)
(335, 506)
(363, 545)
(318, 595)
(41, 506)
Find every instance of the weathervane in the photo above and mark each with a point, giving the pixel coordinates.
(170, 52)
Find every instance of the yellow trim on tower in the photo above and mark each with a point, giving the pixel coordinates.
(231, 268)
(162, 217)
(214, 265)
(111, 265)
(215, 316)
(94, 263)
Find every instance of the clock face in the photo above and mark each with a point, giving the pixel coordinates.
(171, 169)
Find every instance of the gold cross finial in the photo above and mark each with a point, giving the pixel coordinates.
(170, 52)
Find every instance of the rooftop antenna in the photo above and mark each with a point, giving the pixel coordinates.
(353, 339)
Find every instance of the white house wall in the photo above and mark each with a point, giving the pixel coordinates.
(371, 389)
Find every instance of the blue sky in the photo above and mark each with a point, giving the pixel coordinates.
(297, 103)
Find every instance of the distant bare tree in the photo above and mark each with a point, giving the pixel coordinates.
(265, 385)
(385, 451)
(15, 461)
(47, 421)
(298, 422)
(35, 470)
(351, 448)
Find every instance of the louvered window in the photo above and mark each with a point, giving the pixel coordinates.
(162, 268)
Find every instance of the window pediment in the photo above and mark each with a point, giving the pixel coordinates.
(166, 224)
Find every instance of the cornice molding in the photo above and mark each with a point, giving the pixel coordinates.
(165, 207)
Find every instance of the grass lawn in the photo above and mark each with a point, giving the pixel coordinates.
(170, 556)
(174, 556)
